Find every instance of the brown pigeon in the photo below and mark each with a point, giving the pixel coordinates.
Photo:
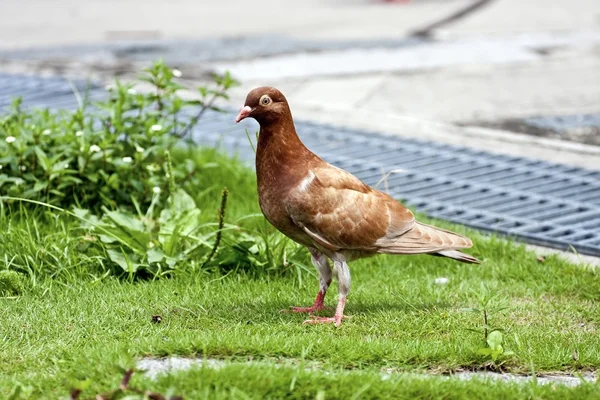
(329, 210)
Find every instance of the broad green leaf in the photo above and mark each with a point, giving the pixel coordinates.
(127, 221)
(484, 351)
(189, 222)
(166, 215)
(39, 186)
(118, 257)
(107, 239)
(494, 339)
(42, 158)
(171, 261)
(155, 255)
(127, 229)
(497, 352)
(82, 384)
(182, 201)
(254, 249)
(169, 241)
(81, 212)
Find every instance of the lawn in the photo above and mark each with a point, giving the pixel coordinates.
(77, 320)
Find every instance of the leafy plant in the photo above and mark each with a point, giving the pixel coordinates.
(489, 304)
(121, 392)
(142, 242)
(264, 250)
(11, 283)
(110, 153)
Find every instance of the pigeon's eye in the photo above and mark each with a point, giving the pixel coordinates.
(265, 100)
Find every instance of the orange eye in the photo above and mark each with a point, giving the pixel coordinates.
(265, 100)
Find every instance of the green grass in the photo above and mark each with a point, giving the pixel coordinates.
(270, 382)
(76, 321)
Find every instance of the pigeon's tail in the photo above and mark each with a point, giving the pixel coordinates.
(458, 255)
(423, 238)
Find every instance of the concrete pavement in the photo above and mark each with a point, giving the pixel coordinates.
(43, 23)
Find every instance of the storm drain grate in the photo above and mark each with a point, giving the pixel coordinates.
(539, 202)
(44, 92)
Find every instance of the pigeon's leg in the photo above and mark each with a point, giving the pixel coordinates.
(343, 275)
(321, 262)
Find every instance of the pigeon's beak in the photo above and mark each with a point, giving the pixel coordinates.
(244, 113)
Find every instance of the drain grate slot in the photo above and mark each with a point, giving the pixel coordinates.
(595, 198)
(580, 216)
(575, 188)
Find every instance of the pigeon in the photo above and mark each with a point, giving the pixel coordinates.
(328, 210)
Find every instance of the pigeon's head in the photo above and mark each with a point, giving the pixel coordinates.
(265, 104)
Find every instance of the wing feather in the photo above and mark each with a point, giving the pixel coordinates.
(338, 211)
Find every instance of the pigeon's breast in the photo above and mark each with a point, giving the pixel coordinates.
(273, 208)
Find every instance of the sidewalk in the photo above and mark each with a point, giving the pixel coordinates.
(42, 23)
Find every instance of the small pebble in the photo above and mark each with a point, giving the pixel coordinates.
(441, 281)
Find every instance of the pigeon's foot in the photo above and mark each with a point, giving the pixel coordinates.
(337, 317)
(336, 320)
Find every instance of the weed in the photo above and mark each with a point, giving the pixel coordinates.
(121, 391)
(110, 153)
(11, 284)
(141, 242)
(490, 303)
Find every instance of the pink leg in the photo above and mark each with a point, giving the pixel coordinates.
(322, 264)
(319, 305)
(343, 273)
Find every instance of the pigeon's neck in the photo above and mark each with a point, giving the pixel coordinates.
(281, 157)
(279, 137)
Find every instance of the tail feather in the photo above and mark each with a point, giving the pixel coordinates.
(427, 239)
(423, 238)
(458, 255)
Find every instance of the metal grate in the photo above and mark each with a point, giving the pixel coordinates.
(538, 202)
(44, 92)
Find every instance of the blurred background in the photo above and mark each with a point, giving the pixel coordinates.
(524, 66)
(493, 102)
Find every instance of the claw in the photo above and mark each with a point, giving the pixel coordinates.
(312, 309)
(336, 320)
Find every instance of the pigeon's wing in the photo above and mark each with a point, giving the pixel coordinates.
(338, 211)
